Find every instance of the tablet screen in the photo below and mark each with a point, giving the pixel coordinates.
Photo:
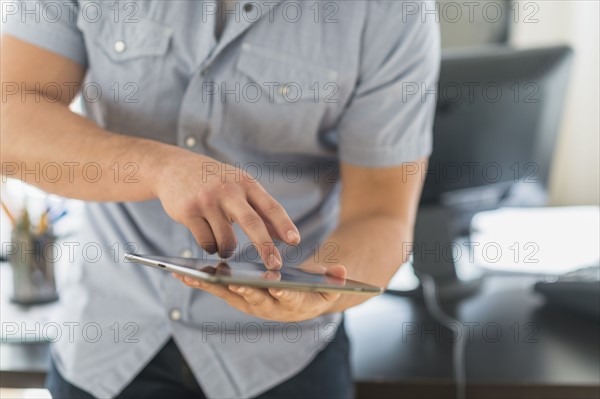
(240, 273)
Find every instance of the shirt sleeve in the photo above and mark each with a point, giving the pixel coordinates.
(48, 24)
(390, 116)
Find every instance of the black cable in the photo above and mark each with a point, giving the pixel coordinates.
(459, 344)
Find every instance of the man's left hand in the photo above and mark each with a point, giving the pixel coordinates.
(274, 303)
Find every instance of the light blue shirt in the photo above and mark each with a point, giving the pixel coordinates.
(289, 90)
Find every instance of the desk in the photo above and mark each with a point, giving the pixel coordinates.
(517, 348)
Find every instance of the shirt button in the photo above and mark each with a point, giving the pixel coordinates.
(204, 72)
(284, 90)
(119, 46)
(186, 253)
(248, 7)
(190, 141)
(175, 314)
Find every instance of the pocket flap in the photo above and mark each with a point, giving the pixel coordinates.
(126, 41)
(292, 78)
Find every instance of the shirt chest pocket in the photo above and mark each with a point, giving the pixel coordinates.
(276, 102)
(126, 62)
(121, 53)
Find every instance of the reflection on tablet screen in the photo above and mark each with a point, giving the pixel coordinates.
(251, 271)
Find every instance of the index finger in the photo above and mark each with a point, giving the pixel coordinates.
(255, 228)
(272, 212)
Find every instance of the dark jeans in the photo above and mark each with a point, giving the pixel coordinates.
(168, 376)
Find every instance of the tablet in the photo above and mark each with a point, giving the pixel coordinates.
(254, 275)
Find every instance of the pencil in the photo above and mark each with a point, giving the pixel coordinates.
(43, 226)
(13, 221)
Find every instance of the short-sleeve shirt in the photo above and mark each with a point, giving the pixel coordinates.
(290, 90)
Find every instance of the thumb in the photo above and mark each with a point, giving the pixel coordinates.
(336, 271)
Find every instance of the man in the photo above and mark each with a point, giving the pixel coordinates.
(219, 128)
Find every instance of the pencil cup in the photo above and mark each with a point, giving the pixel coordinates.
(32, 260)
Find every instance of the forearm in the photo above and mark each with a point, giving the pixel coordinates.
(47, 145)
(372, 249)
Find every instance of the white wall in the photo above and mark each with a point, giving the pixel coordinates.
(575, 177)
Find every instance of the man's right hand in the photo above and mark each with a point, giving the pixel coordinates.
(194, 189)
(208, 196)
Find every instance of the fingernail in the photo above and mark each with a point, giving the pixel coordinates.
(293, 236)
(241, 290)
(277, 293)
(274, 261)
